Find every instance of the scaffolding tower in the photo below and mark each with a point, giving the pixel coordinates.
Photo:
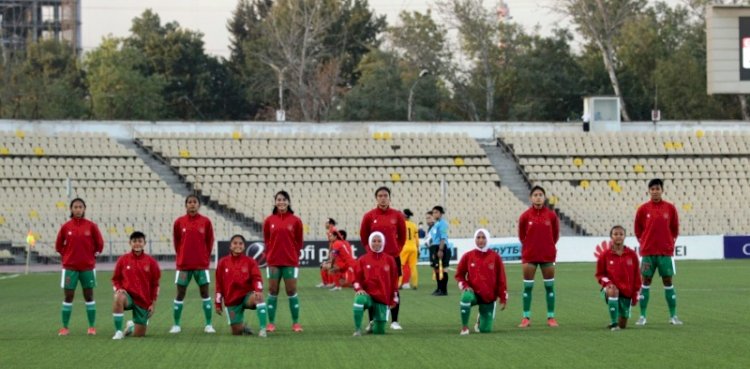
(25, 21)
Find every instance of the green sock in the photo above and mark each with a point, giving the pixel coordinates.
(207, 309)
(671, 297)
(294, 308)
(527, 287)
(262, 313)
(613, 310)
(359, 312)
(177, 314)
(645, 292)
(118, 321)
(465, 307)
(67, 308)
(272, 308)
(91, 313)
(378, 327)
(549, 288)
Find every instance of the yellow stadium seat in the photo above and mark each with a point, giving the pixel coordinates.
(2, 220)
(387, 136)
(33, 214)
(236, 135)
(20, 134)
(455, 221)
(669, 145)
(60, 205)
(4, 151)
(396, 177)
(377, 136)
(577, 162)
(638, 168)
(699, 133)
(484, 221)
(687, 206)
(305, 228)
(184, 153)
(585, 184)
(38, 151)
(458, 161)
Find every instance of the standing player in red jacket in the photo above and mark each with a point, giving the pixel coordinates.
(282, 234)
(239, 286)
(481, 277)
(538, 230)
(136, 285)
(391, 223)
(617, 272)
(376, 285)
(193, 237)
(79, 242)
(657, 227)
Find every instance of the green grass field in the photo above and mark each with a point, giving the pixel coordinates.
(714, 298)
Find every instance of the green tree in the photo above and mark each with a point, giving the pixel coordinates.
(192, 89)
(45, 82)
(118, 87)
(380, 94)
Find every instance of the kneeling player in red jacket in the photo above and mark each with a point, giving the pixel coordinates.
(136, 285)
(481, 277)
(618, 274)
(376, 285)
(239, 286)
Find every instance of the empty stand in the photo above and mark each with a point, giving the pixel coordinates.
(335, 175)
(599, 179)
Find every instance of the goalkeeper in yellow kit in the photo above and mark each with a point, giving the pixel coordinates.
(410, 254)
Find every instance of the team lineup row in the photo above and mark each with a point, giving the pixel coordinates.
(386, 235)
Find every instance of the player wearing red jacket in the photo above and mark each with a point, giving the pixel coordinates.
(282, 234)
(342, 261)
(326, 278)
(617, 272)
(376, 285)
(136, 285)
(481, 277)
(656, 228)
(239, 286)
(391, 223)
(538, 231)
(193, 238)
(78, 242)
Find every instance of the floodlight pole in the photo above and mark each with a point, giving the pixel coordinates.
(422, 73)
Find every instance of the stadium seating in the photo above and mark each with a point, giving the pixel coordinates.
(599, 179)
(335, 175)
(122, 194)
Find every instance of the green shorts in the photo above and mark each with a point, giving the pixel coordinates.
(70, 278)
(665, 265)
(236, 314)
(623, 305)
(183, 277)
(286, 272)
(379, 311)
(140, 315)
(486, 312)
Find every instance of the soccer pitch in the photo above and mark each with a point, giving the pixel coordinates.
(713, 301)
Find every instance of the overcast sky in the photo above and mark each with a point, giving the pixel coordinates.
(103, 17)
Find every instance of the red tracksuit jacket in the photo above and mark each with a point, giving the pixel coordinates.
(193, 238)
(390, 223)
(622, 270)
(78, 242)
(282, 234)
(484, 272)
(236, 276)
(657, 227)
(139, 276)
(342, 253)
(376, 274)
(538, 230)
